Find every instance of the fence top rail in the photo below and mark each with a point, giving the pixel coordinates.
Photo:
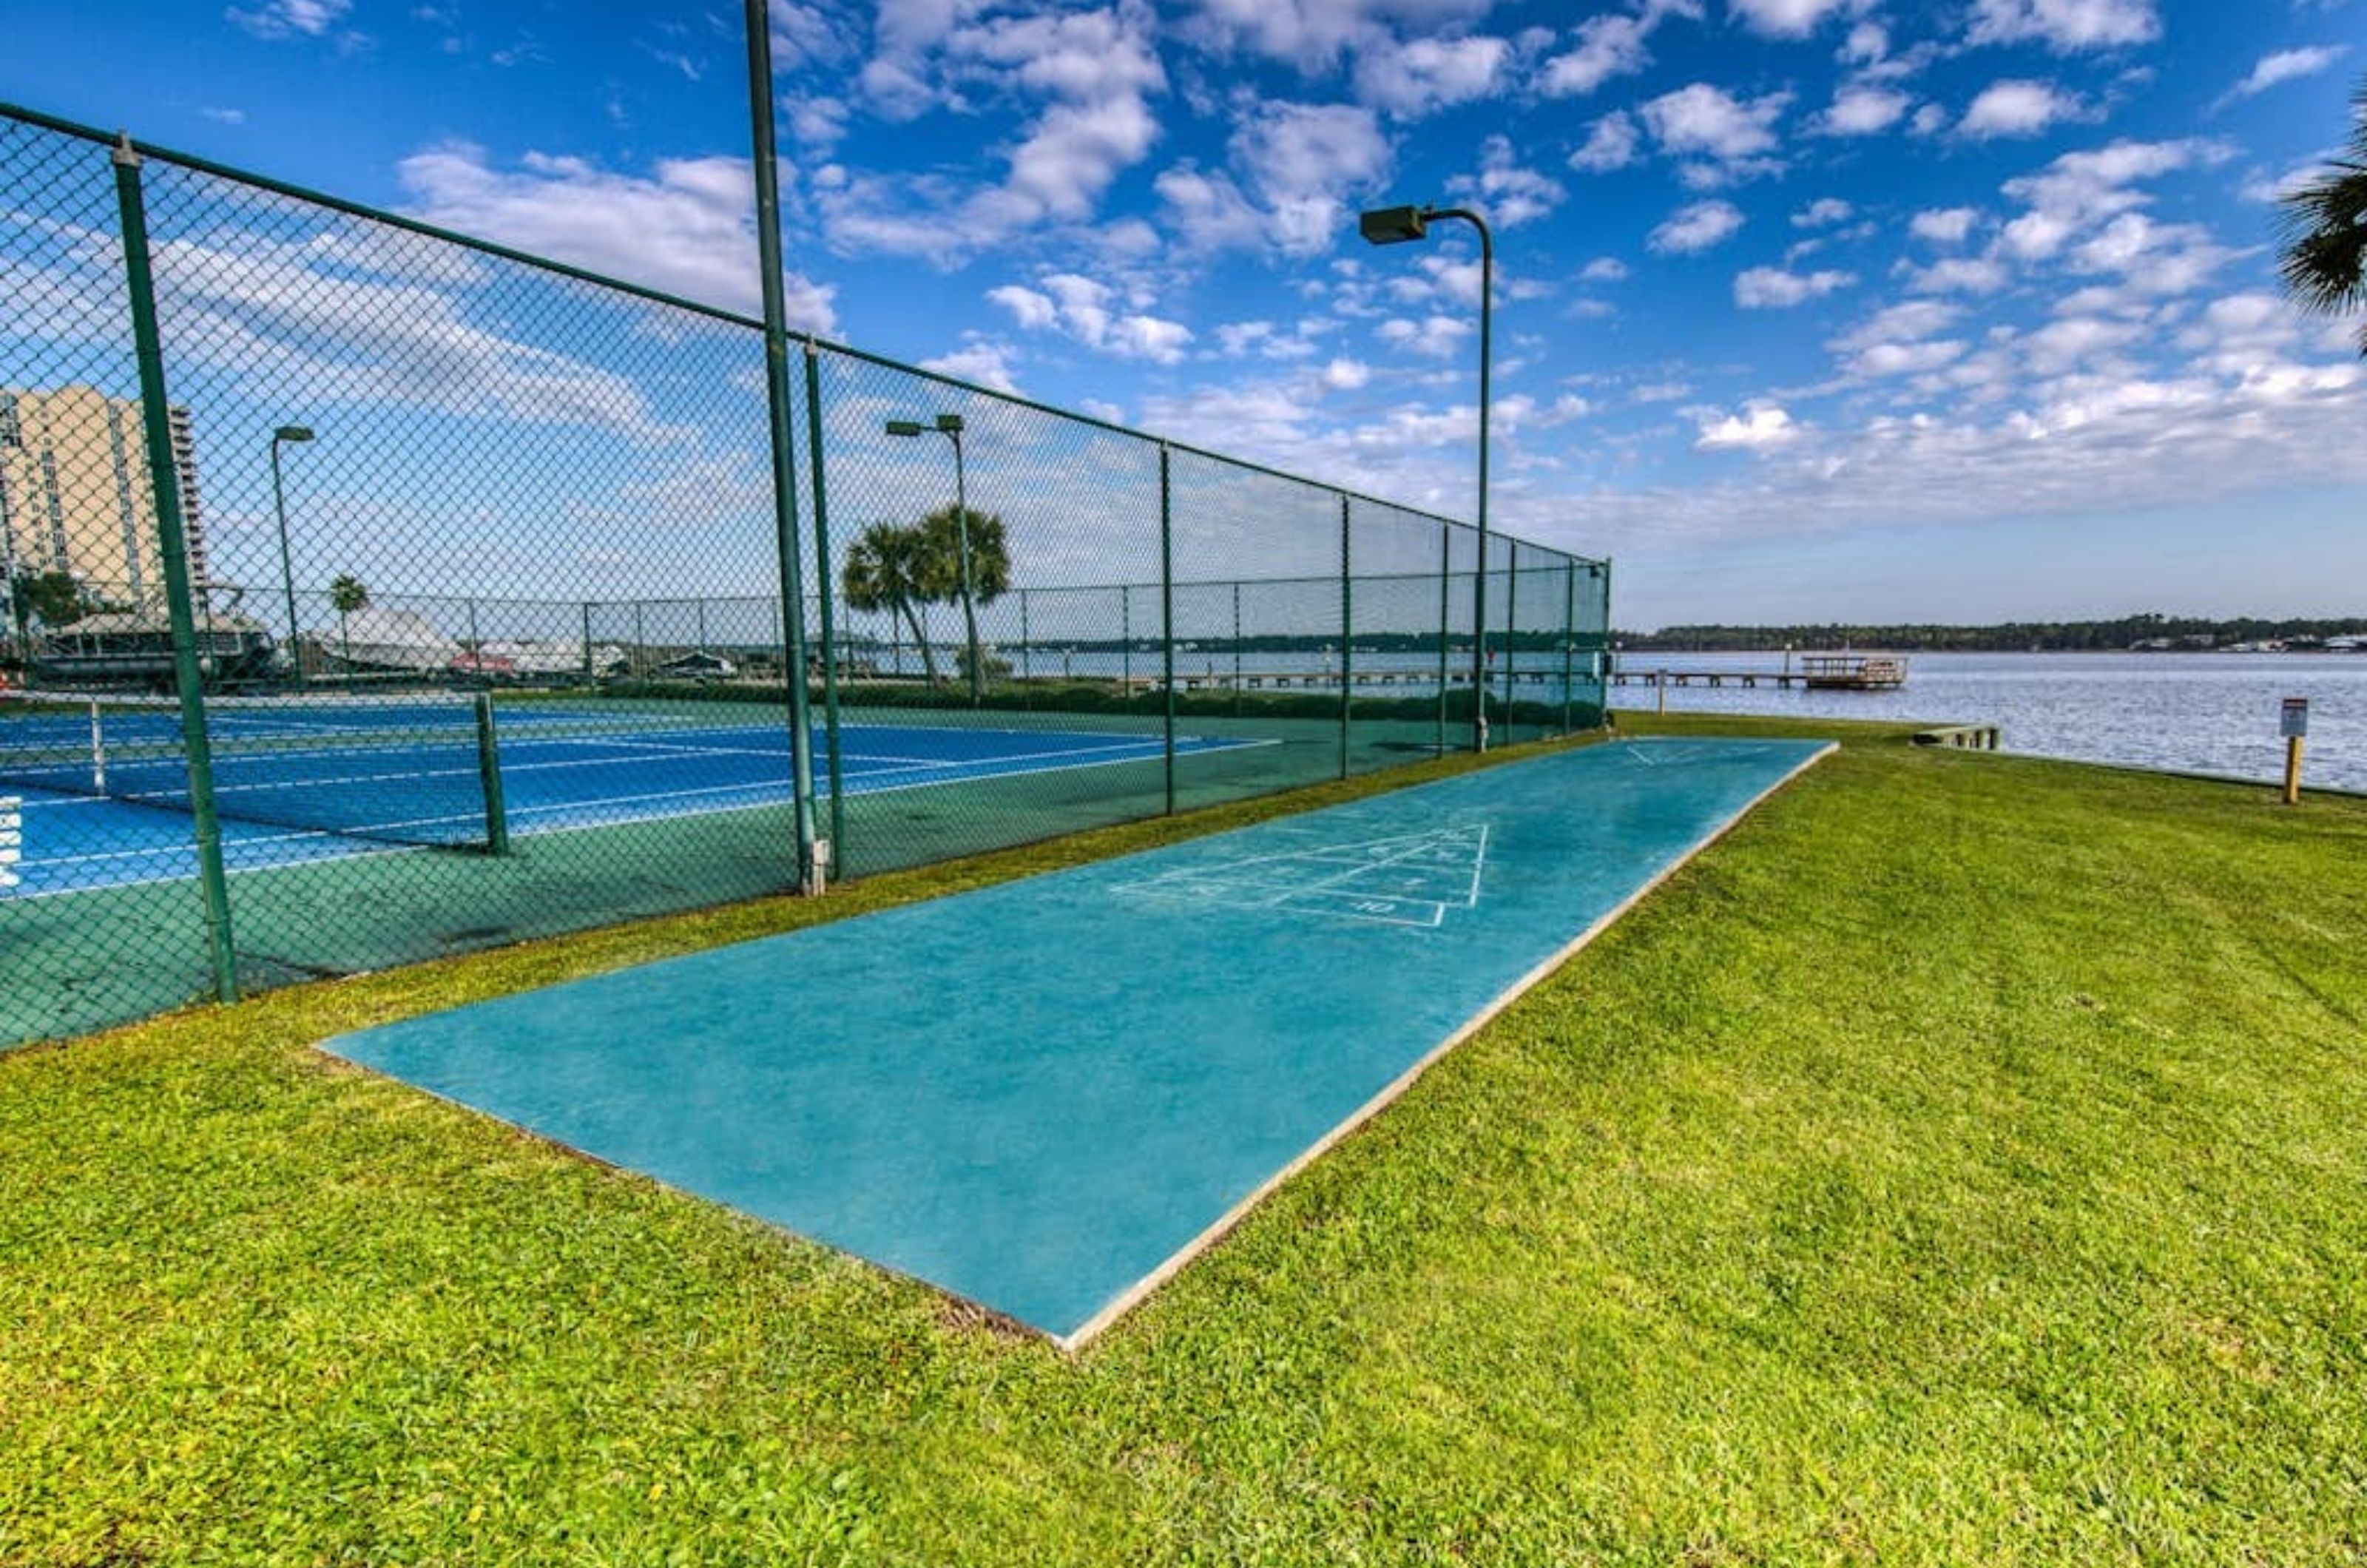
(60, 126)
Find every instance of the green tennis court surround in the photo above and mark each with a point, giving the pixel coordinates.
(1042, 1096)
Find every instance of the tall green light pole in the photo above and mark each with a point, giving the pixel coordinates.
(949, 425)
(287, 433)
(789, 542)
(1395, 225)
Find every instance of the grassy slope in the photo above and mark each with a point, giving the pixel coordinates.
(1961, 1163)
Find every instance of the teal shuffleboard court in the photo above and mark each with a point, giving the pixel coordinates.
(1046, 1095)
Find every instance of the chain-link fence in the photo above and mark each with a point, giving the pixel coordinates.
(374, 595)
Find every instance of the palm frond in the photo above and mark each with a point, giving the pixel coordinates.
(2323, 225)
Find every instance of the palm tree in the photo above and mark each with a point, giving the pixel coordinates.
(885, 570)
(347, 594)
(988, 578)
(2325, 228)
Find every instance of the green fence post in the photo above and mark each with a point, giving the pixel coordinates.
(476, 643)
(1237, 647)
(1167, 611)
(787, 544)
(1026, 657)
(489, 772)
(1602, 686)
(1125, 642)
(1347, 636)
(587, 641)
(1445, 620)
(831, 749)
(1569, 636)
(1512, 632)
(173, 549)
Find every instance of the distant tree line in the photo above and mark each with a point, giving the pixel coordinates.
(2010, 637)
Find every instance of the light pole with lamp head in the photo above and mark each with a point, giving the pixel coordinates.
(297, 434)
(949, 425)
(1395, 225)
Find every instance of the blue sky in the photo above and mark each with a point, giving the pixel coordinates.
(1806, 308)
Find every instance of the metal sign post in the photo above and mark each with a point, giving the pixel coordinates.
(2294, 725)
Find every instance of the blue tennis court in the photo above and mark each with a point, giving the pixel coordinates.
(1046, 1095)
(296, 784)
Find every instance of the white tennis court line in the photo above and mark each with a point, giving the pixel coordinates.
(374, 851)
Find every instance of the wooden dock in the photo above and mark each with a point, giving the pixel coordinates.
(1749, 678)
(1816, 673)
(1225, 679)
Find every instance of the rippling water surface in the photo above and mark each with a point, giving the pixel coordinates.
(2212, 713)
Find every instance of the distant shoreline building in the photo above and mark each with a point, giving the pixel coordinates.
(75, 495)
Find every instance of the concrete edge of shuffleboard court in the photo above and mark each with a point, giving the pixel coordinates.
(1100, 1322)
(1127, 1297)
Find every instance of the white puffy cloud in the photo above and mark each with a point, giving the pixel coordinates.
(1960, 275)
(2080, 191)
(1312, 33)
(1027, 306)
(1208, 210)
(1093, 72)
(1910, 322)
(1861, 109)
(688, 228)
(2064, 25)
(1304, 160)
(2017, 107)
(2074, 341)
(980, 359)
(1760, 427)
(1086, 309)
(1611, 143)
(1879, 360)
(1708, 121)
(1784, 18)
(1823, 212)
(2286, 65)
(1347, 375)
(1768, 287)
(1437, 337)
(1867, 44)
(289, 18)
(1511, 194)
(1943, 225)
(1420, 76)
(1691, 229)
(1604, 269)
(1607, 46)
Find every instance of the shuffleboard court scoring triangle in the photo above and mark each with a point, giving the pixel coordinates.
(1405, 879)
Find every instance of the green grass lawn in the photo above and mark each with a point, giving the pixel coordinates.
(1962, 1162)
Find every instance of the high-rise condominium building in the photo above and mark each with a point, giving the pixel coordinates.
(75, 496)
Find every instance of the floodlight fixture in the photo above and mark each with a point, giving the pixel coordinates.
(951, 424)
(1394, 225)
(903, 427)
(292, 432)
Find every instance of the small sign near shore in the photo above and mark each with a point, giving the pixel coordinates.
(2292, 723)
